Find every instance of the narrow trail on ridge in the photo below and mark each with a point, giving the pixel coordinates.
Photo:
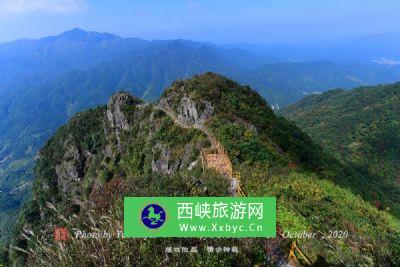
(215, 158)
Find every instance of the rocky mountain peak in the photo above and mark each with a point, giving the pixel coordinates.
(118, 103)
(120, 116)
(186, 109)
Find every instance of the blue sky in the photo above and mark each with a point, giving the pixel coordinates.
(221, 21)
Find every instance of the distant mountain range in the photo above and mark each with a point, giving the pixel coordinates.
(44, 82)
(365, 49)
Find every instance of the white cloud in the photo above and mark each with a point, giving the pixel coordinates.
(49, 6)
(192, 3)
(385, 61)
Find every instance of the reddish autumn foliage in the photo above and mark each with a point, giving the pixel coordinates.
(107, 194)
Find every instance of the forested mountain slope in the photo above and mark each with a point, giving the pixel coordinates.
(129, 148)
(360, 127)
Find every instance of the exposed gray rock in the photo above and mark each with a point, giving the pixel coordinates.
(70, 170)
(116, 120)
(115, 116)
(192, 165)
(188, 112)
(161, 159)
(165, 164)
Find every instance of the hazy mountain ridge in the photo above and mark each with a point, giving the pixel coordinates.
(39, 60)
(297, 79)
(364, 49)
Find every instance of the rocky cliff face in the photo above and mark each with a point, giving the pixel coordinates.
(127, 132)
(188, 111)
(70, 171)
(76, 159)
(122, 110)
(116, 118)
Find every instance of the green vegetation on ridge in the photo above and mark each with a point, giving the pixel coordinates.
(361, 128)
(141, 152)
